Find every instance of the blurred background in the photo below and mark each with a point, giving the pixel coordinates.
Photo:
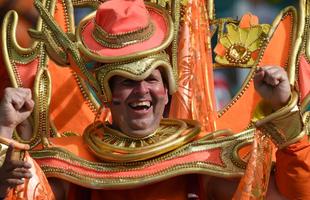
(227, 81)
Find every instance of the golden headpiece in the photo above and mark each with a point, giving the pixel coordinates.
(129, 37)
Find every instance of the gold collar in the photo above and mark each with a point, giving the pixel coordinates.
(111, 145)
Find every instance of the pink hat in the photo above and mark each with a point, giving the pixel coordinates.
(123, 30)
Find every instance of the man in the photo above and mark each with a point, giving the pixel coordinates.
(136, 91)
(143, 102)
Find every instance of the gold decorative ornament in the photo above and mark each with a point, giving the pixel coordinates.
(285, 125)
(111, 145)
(124, 39)
(231, 164)
(136, 70)
(238, 54)
(241, 43)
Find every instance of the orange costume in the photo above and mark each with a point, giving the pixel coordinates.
(230, 143)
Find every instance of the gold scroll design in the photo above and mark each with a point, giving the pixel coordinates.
(15, 55)
(62, 47)
(239, 45)
(301, 51)
(110, 145)
(57, 51)
(52, 42)
(101, 175)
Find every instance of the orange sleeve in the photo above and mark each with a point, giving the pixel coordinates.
(293, 170)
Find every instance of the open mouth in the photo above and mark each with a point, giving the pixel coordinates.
(141, 105)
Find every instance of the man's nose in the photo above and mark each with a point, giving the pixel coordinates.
(141, 87)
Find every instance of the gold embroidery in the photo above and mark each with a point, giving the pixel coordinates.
(136, 70)
(117, 141)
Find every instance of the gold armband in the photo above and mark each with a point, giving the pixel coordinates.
(3, 149)
(284, 126)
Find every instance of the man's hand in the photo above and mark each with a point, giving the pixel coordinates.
(273, 85)
(15, 108)
(12, 172)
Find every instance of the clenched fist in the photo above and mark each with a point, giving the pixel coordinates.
(15, 107)
(272, 84)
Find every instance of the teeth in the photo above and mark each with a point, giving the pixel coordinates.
(141, 103)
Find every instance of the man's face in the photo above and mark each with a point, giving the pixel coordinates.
(137, 106)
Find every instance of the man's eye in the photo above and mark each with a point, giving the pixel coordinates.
(128, 82)
(152, 80)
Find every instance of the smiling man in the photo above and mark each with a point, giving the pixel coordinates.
(140, 154)
(137, 106)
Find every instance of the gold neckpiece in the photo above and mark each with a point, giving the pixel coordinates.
(111, 145)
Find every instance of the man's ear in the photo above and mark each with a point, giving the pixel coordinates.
(166, 96)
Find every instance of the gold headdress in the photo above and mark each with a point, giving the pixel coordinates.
(132, 49)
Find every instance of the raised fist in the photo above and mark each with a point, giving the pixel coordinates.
(15, 107)
(272, 84)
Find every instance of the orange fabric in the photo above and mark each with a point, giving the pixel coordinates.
(118, 17)
(27, 72)
(74, 144)
(254, 183)
(68, 107)
(23, 39)
(293, 170)
(36, 188)
(281, 40)
(77, 146)
(68, 110)
(195, 96)
(304, 77)
(244, 113)
(172, 189)
(211, 156)
(248, 20)
(59, 15)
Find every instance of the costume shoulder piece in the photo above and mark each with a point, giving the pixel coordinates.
(125, 162)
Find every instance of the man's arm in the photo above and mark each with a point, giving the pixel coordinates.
(292, 173)
(15, 107)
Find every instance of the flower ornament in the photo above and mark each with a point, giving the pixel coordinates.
(240, 45)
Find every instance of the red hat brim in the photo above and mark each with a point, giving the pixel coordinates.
(160, 39)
